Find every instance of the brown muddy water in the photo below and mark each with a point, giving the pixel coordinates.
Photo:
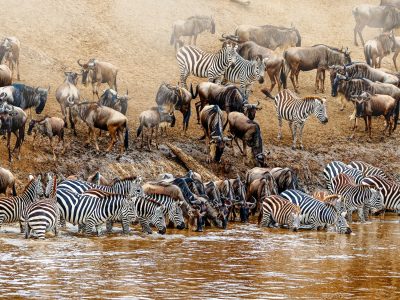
(243, 261)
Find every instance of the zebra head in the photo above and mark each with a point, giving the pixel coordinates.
(320, 110)
(50, 184)
(339, 206)
(375, 201)
(294, 219)
(39, 187)
(259, 69)
(158, 220)
(135, 191)
(176, 215)
(231, 54)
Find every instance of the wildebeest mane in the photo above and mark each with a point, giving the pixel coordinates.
(230, 98)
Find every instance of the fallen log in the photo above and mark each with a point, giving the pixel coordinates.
(241, 2)
(191, 164)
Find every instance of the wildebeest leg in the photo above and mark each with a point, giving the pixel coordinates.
(156, 136)
(369, 126)
(354, 129)
(294, 128)
(301, 126)
(112, 131)
(380, 61)
(292, 74)
(358, 29)
(343, 102)
(149, 139)
(273, 80)
(395, 58)
(89, 138)
(9, 146)
(322, 81)
(121, 140)
(64, 113)
(52, 148)
(317, 78)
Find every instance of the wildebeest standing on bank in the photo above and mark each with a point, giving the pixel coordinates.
(110, 98)
(49, 127)
(67, 94)
(12, 120)
(5, 76)
(173, 97)
(229, 98)
(191, 27)
(318, 57)
(9, 51)
(23, 96)
(378, 48)
(274, 65)
(211, 121)
(296, 110)
(151, 119)
(269, 36)
(104, 118)
(192, 60)
(249, 132)
(98, 72)
(7, 180)
(385, 17)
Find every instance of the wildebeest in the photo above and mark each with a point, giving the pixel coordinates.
(49, 127)
(395, 48)
(368, 105)
(98, 178)
(269, 36)
(12, 120)
(385, 17)
(259, 189)
(173, 97)
(5, 76)
(229, 98)
(67, 94)
(151, 119)
(377, 48)
(98, 72)
(7, 180)
(9, 52)
(104, 118)
(318, 57)
(274, 64)
(211, 121)
(191, 27)
(110, 98)
(23, 96)
(249, 132)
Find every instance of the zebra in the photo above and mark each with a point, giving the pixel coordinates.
(92, 211)
(367, 169)
(43, 215)
(245, 72)
(336, 167)
(148, 211)
(118, 186)
(279, 211)
(192, 60)
(13, 209)
(317, 214)
(389, 189)
(297, 110)
(357, 196)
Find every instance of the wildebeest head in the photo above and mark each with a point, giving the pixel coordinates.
(86, 70)
(251, 109)
(122, 103)
(347, 58)
(42, 99)
(362, 104)
(320, 110)
(32, 124)
(336, 82)
(217, 146)
(168, 117)
(72, 77)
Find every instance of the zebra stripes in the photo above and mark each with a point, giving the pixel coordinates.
(367, 169)
(357, 196)
(297, 110)
(147, 212)
(192, 60)
(334, 168)
(276, 209)
(389, 189)
(317, 214)
(170, 208)
(245, 72)
(13, 209)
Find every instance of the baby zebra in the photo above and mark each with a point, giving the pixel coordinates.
(336, 167)
(43, 215)
(357, 196)
(50, 127)
(279, 211)
(12, 209)
(296, 110)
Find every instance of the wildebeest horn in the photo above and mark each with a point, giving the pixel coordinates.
(79, 62)
(258, 103)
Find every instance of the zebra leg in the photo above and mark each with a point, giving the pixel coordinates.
(294, 128)
(145, 226)
(27, 230)
(279, 127)
(301, 126)
(266, 220)
(55, 229)
(360, 212)
(349, 216)
(109, 226)
(184, 76)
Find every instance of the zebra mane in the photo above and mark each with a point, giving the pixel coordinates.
(312, 98)
(27, 186)
(115, 180)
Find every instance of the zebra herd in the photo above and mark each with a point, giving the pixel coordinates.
(188, 202)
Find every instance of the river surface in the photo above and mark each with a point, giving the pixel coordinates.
(243, 261)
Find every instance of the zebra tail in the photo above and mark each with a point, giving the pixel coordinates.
(367, 54)
(126, 139)
(139, 130)
(14, 190)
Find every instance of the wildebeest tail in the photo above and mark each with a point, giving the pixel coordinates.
(126, 138)
(367, 54)
(298, 44)
(14, 190)
(260, 215)
(282, 75)
(115, 83)
(194, 96)
(396, 114)
(139, 130)
(286, 70)
(267, 93)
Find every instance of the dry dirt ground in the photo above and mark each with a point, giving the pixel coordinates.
(134, 35)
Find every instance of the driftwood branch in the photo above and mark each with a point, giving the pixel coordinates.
(241, 2)
(191, 164)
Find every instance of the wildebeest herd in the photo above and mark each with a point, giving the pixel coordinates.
(226, 116)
